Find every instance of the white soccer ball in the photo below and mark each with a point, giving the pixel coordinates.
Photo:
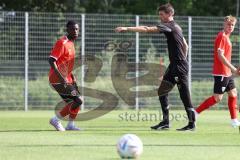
(129, 146)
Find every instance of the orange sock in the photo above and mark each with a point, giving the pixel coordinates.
(206, 104)
(66, 110)
(232, 106)
(74, 113)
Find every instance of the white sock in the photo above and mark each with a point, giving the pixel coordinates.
(70, 123)
(55, 118)
(196, 113)
(234, 121)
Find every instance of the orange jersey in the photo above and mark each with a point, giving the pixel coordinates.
(64, 53)
(223, 43)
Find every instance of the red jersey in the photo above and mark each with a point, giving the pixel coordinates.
(223, 43)
(64, 53)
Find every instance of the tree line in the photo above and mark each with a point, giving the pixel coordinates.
(146, 7)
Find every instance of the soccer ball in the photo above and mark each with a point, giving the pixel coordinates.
(129, 146)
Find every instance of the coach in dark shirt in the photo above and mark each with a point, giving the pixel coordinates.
(177, 71)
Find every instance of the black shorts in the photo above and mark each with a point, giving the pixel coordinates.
(68, 92)
(223, 84)
(177, 73)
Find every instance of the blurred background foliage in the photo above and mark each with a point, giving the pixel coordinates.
(146, 7)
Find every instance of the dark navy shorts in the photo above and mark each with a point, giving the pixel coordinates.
(223, 84)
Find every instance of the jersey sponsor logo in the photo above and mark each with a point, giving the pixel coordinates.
(176, 79)
(223, 89)
(74, 93)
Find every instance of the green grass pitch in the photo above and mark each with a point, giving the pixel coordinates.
(28, 136)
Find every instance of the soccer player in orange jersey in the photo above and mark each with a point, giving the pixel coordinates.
(61, 78)
(222, 72)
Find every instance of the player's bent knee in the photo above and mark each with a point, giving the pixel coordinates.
(232, 93)
(218, 98)
(78, 101)
(68, 100)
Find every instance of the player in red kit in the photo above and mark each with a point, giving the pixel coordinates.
(61, 78)
(222, 72)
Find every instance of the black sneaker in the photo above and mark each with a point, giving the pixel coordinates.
(190, 127)
(161, 126)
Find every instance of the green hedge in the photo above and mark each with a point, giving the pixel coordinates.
(42, 95)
